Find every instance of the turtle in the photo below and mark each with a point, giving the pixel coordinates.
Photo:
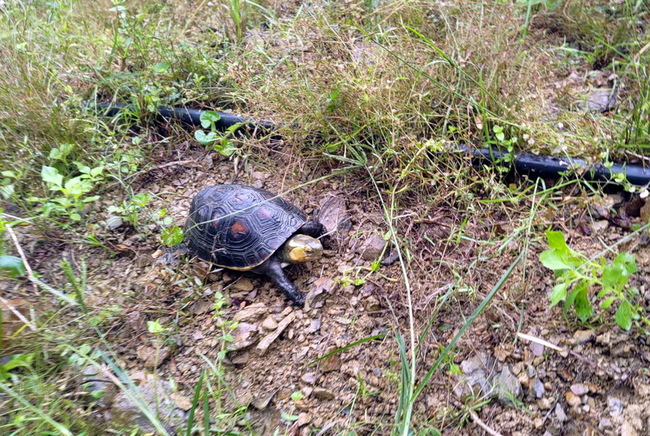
(249, 229)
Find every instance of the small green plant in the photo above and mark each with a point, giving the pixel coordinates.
(172, 236)
(221, 143)
(130, 209)
(70, 194)
(505, 144)
(579, 277)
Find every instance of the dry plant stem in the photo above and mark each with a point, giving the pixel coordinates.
(483, 425)
(30, 274)
(18, 314)
(558, 349)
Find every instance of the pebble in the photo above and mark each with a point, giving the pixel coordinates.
(599, 226)
(114, 222)
(251, 313)
(538, 388)
(151, 356)
(507, 386)
(269, 323)
(373, 247)
(244, 336)
(579, 389)
(582, 336)
(266, 342)
(323, 394)
(559, 413)
(243, 284)
(544, 404)
(572, 399)
(304, 418)
(309, 378)
(615, 406)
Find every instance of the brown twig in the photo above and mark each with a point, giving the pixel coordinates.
(483, 425)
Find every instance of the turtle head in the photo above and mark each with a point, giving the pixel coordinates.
(302, 248)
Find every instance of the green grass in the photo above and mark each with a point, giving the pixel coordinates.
(377, 92)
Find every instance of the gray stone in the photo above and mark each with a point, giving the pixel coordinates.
(114, 222)
(251, 313)
(373, 247)
(600, 100)
(615, 406)
(323, 394)
(244, 336)
(538, 388)
(582, 336)
(579, 389)
(507, 386)
(559, 413)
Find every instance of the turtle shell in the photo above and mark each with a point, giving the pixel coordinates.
(239, 227)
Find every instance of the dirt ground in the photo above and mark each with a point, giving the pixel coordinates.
(598, 385)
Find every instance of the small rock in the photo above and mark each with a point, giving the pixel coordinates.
(244, 336)
(266, 342)
(251, 313)
(579, 389)
(544, 403)
(604, 424)
(582, 336)
(538, 388)
(304, 418)
(152, 357)
(262, 403)
(507, 386)
(572, 399)
(599, 226)
(615, 406)
(373, 247)
(371, 304)
(243, 284)
(181, 401)
(600, 100)
(323, 394)
(240, 358)
(314, 326)
(331, 363)
(559, 413)
(114, 222)
(537, 349)
(269, 323)
(309, 378)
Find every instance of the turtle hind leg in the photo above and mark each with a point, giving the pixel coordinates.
(273, 269)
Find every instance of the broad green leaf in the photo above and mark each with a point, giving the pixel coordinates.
(582, 304)
(12, 266)
(208, 118)
(225, 148)
(556, 260)
(624, 315)
(558, 294)
(172, 236)
(289, 417)
(627, 262)
(614, 276)
(205, 139)
(161, 67)
(607, 302)
(51, 176)
(85, 169)
(556, 240)
(75, 216)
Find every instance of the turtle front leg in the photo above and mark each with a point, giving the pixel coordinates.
(273, 269)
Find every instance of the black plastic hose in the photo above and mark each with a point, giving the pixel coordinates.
(550, 166)
(541, 166)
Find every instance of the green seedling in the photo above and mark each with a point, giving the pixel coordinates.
(221, 143)
(577, 278)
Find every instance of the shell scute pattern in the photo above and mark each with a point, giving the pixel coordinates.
(239, 227)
